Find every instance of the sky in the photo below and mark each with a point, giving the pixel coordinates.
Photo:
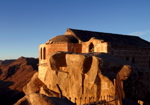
(25, 24)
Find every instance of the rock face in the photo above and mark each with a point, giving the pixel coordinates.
(34, 91)
(137, 85)
(34, 85)
(13, 77)
(82, 76)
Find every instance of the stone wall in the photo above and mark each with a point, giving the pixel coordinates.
(49, 48)
(56, 47)
(42, 69)
(139, 56)
(74, 48)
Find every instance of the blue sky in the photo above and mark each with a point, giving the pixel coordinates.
(25, 24)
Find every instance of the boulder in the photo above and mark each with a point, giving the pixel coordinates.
(34, 85)
(37, 86)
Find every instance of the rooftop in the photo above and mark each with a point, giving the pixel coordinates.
(62, 39)
(114, 39)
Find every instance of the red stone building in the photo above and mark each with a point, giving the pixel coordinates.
(130, 48)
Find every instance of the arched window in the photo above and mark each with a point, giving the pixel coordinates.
(91, 47)
(41, 53)
(44, 53)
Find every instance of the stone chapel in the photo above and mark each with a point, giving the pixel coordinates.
(130, 48)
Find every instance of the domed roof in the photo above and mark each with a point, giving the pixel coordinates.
(62, 39)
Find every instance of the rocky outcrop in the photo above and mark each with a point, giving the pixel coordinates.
(37, 93)
(13, 77)
(34, 85)
(37, 86)
(83, 78)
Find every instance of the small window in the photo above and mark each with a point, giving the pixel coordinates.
(44, 53)
(41, 53)
(91, 47)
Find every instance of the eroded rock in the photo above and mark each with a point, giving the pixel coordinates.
(83, 78)
(84, 75)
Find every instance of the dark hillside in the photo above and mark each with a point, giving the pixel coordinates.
(8, 61)
(13, 77)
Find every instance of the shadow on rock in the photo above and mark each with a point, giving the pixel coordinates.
(8, 96)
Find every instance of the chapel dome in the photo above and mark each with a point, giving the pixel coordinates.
(62, 39)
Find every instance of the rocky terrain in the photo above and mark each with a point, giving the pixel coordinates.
(72, 77)
(14, 75)
(76, 77)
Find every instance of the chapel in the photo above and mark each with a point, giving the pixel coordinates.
(130, 48)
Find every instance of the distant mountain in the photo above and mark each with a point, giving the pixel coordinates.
(7, 61)
(0, 62)
(14, 75)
